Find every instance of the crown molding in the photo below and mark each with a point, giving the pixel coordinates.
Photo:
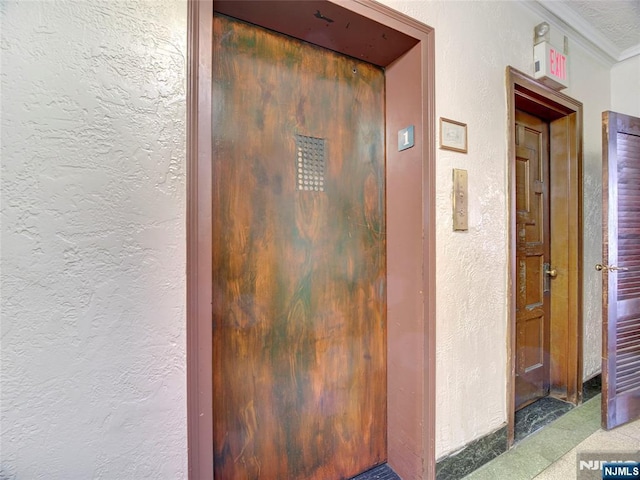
(570, 17)
(580, 31)
(629, 52)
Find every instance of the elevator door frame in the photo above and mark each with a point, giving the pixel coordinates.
(407, 54)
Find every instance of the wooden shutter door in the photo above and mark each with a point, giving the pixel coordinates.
(621, 272)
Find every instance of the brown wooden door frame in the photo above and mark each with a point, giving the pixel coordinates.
(564, 115)
(407, 53)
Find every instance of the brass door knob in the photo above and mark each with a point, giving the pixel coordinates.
(611, 268)
(553, 273)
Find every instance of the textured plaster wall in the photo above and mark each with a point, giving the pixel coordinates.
(475, 42)
(590, 83)
(625, 87)
(93, 240)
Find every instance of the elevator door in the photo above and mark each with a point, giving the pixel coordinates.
(299, 276)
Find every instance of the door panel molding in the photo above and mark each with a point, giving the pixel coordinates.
(410, 94)
(533, 254)
(564, 115)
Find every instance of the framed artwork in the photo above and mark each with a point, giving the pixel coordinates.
(453, 135)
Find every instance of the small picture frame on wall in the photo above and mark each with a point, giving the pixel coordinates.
(453, 135)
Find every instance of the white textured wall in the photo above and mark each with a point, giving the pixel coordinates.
(590, 83)
(475, 42)
(625, 87)
(93, 240)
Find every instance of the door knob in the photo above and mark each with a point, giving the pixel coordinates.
(612, 268)
(553, 273)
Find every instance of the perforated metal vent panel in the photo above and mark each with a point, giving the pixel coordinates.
(310, 163)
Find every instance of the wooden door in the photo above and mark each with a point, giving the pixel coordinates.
(299, 259)
(532, 259)
(621, 272)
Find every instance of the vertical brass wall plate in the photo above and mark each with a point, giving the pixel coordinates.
(460, 200)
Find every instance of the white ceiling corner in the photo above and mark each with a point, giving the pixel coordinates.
(609, 28)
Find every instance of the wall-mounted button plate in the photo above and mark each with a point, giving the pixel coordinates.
(460, 200)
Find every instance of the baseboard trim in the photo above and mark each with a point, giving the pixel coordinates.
(472, 456)
(591, 387)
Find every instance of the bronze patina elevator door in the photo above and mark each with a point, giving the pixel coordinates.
(299, 270)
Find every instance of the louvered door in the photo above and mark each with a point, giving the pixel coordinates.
(621, 272)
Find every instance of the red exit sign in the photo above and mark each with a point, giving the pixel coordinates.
(550, 66)
(557, 64)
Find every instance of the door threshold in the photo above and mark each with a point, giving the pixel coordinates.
(538, 414)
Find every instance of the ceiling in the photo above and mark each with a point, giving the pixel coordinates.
(611, 26)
